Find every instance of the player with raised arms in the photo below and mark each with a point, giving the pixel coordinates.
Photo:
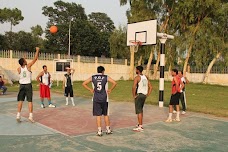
(100, 97)
(25, 89)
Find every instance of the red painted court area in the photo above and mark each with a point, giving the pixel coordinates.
(74, 121)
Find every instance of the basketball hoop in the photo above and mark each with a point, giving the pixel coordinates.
(135, 45)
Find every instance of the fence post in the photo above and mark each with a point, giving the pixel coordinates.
(79, 58)
(111, 60)
(125, 61)
(11, 54)
(96, 60)
(58, 56)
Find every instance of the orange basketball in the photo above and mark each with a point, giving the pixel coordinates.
(53, 29)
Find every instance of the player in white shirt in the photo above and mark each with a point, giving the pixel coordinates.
(25, 89)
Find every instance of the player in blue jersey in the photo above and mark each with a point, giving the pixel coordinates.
(100, 97)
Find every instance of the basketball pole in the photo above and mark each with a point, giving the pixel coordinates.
(162, 37)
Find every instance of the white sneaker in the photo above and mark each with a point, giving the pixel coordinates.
(168, 120)
(174, 111)
(51, 106)
(31, 119)
(177, 119)
(73, 104)
(99, 133)
(18, 119)
(108, 132)
(42, 106)
(138, 129)
(183, 112)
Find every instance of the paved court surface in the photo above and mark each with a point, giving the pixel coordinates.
(72, 129)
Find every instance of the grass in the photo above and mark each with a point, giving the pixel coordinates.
(209, 99)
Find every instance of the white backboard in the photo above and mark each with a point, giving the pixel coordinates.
(145, 32)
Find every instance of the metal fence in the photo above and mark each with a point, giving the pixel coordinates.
(215, 69)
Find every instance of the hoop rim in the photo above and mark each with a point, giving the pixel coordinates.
(135, 42)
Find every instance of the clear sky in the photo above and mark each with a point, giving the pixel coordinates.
(32, 11)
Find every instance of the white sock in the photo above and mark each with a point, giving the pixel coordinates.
(30, 115)
(67, 100)
(99, 129)
(170, 115)
(178, 115)
(72, 100)
(140, 126)
(18, 114)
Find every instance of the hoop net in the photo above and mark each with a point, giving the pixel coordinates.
(135, 45)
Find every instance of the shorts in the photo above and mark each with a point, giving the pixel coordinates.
(100, 108)
(139, 103)
(44, 91)
(69, 90)
(25, 90)
(174, 100)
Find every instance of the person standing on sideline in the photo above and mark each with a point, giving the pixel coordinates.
(141, 89)
(177, 86)
(68, 85)
(44, 78)
(2, 85)
(100, 97)
(25, 89)
(182, 96)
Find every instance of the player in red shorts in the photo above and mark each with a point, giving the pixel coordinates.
(44, 79)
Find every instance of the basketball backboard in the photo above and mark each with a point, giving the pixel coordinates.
(145, 32)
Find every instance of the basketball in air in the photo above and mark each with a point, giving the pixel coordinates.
(53, 29)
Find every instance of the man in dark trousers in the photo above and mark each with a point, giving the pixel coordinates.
(100, 97)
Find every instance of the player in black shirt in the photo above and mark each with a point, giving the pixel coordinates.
(100, 97)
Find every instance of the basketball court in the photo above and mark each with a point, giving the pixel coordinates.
(72, 129)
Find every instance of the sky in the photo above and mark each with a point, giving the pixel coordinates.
(32, 11)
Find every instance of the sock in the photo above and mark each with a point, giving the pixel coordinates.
(30, 115)
(140, 126)
(99, 129)
(18, 114)
(72, 100)
(49, 102)
(107, 127)
(42, 102)
(66, 100)
(170, 115)
(178, 115)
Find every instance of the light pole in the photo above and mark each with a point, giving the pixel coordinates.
(71, 19)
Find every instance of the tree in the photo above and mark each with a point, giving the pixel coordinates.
(118, 41)
(105, 27)
(13, 16)
(102, 22)
(37, 30)
(22, 41)
(85, 39)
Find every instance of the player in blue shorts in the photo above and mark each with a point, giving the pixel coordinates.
(100, 97)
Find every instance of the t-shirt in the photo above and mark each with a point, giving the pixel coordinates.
(68, 80)
(99, 83)
(174, 88)
(184, 81)
(142, 86)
